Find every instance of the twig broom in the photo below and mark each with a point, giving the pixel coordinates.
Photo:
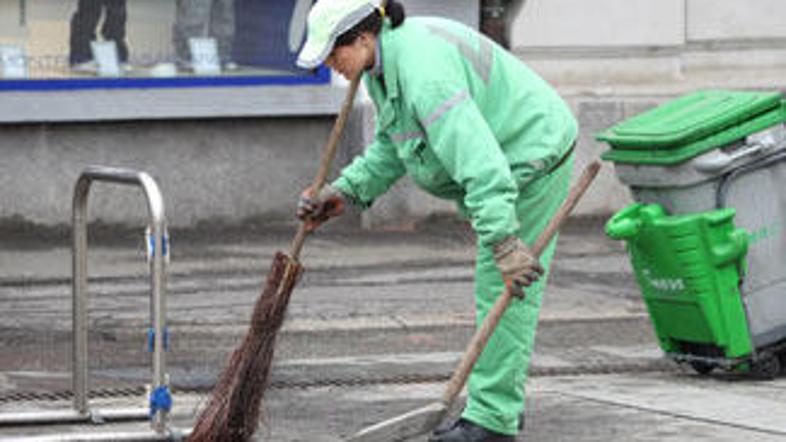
(232, 413)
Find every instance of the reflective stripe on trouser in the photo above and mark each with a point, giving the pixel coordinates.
(497, 383)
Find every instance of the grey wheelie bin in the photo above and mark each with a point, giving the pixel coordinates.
(709, 151)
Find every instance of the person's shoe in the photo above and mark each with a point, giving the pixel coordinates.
(184, 66)
(449, 425)
(88, 67)
(444, 427)
(466, 431)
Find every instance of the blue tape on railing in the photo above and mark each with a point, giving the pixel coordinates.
(151, 339)
(160, 400)
(151, 245)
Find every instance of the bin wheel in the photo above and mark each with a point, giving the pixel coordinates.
(702, 368)
(767, 367)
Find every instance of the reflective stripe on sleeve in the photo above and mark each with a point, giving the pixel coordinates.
(400, 138)
(443, 108)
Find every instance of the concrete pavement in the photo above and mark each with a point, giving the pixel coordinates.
(375, 326)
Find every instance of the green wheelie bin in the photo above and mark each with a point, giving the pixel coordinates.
(708, 170)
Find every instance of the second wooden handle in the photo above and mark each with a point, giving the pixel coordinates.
(482, 334)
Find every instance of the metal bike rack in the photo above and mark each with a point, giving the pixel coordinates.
(160, 397)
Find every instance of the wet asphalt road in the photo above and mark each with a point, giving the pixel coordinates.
(375, 326)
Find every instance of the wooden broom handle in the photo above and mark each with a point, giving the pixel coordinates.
(482, 334)
(327, 160)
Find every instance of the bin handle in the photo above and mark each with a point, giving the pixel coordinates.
(735, 248)
(711, 164)
(625, 224)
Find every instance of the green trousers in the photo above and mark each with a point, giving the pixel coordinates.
(497, 382)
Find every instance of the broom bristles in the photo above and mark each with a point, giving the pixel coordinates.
(233, 411)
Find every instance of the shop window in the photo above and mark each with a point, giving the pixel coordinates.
(89, 44)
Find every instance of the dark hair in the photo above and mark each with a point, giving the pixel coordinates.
(373, 23)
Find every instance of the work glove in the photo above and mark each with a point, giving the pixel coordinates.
(518, 265)
(314, 210)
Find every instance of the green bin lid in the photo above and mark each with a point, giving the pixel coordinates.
(689, 118)
(691, 125)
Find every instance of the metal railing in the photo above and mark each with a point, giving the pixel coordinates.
(157, 240)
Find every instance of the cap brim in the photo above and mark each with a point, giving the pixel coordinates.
(314, 54)
(316, 50)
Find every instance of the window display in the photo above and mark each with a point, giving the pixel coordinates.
(116, 43)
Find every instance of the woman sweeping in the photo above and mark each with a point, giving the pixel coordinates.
(470, 123)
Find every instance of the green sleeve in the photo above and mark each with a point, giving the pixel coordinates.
(465, 145)
(371, 174)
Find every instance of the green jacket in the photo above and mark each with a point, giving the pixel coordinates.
(464, 118)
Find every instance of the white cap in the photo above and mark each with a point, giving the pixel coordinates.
(327, 20)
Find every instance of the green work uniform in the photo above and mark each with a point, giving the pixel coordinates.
(469, 122)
